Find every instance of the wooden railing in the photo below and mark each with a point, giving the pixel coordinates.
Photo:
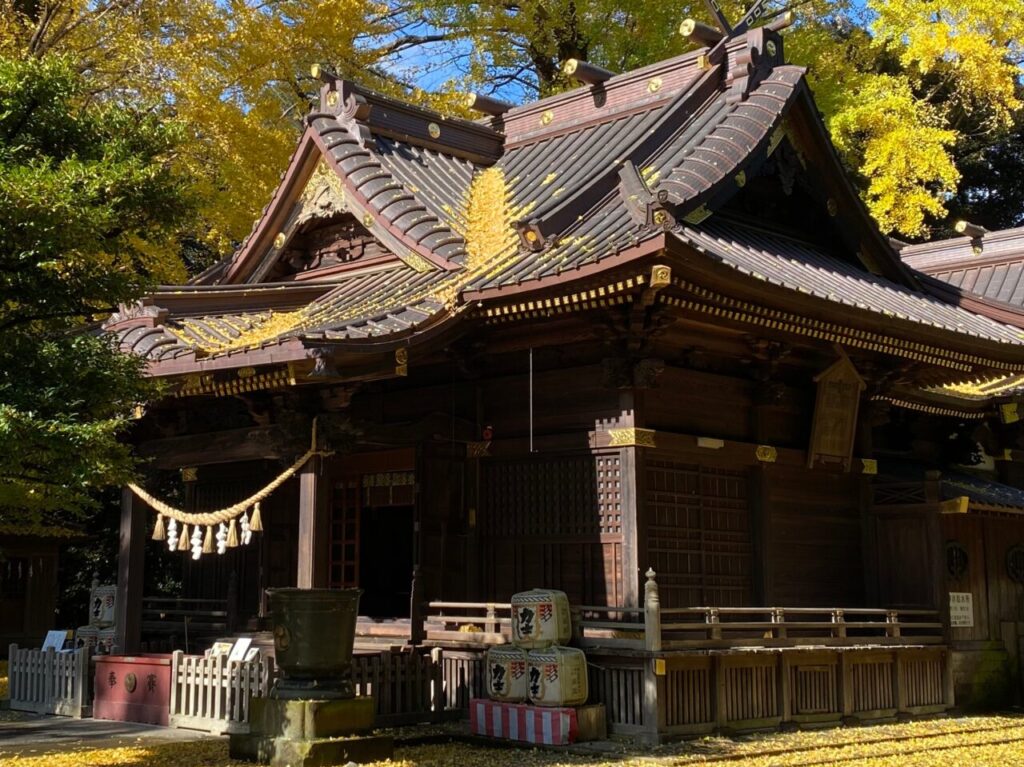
(467, 623)
(190, 622)
(656, 628)
(50, 682)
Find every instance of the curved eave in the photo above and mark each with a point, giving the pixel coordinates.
(654, 243)
(883, 257)
(339, 147)
(738, 142)
(706, 270)
(253, 249)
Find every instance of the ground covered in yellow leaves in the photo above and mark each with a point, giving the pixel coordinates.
(973, 742)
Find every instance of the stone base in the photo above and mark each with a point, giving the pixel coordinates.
(310, 732)
(318, 752)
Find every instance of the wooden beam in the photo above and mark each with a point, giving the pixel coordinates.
(248, 444)
(130, 562)
(313, 526)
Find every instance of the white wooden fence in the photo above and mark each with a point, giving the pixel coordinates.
(212, 693)
(50, 682)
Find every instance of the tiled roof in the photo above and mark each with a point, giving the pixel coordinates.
(558, 187)
(981, 491)
(804, 268)
(991, 268)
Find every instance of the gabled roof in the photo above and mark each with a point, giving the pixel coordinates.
(554, 191)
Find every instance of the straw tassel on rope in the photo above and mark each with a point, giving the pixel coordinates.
(232, 533)
(183, 542)
(256, 523)
(159, 531)
(208, 541)
(231, 512)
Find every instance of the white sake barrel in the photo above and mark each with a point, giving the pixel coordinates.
(105, 641)
(540, 618)
(86, 637)
(101, 606)
(506, 673)
(557, 676)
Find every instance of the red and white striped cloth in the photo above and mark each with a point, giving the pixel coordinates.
(517, 721)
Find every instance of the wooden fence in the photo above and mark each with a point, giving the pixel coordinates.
(681, 693)
(212, 693)
(50, 682)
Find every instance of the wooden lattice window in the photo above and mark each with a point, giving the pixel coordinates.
(566, 496)
(345, 512)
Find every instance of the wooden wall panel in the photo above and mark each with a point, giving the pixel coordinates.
(813, 538)
(570, 399)
(552, 522)
(272, 552)
(698, 534)
(1005, 594)
(906, 550)
(705, 404)
(968, 531)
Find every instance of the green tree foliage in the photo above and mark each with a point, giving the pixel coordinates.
(90, 203)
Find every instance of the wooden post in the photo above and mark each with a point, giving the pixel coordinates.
(846, 683)
(654, 668)
(892, 620)
(652, 614)
(232, 602)
(417, 629)
(313, 526)
(130, 561)
(779, 622)
(838, 624)
(714, 626)
(437, 682)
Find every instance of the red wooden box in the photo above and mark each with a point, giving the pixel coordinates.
(553, 726)
(133, 688)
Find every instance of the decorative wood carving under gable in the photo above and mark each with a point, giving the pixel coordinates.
(835, 414)
(323, 197)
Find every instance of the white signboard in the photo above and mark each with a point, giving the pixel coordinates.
(54, 640)
(240, 648)
(961, 609)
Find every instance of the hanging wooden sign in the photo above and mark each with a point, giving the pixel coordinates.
(835, 414)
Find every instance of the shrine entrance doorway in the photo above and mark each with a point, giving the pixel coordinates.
(373, 533)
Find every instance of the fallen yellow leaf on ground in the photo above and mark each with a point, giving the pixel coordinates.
(994, 741)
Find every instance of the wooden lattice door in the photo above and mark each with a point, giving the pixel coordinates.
(345, 512)
(699, 534)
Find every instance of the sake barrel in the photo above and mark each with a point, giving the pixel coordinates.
(86, 637)
(540, 618)
(105, 641)
(101, 606)
(506, 673)
(556, 676)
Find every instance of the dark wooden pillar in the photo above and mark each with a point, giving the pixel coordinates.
(314, 526)
(634, 527)
(131, 550)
